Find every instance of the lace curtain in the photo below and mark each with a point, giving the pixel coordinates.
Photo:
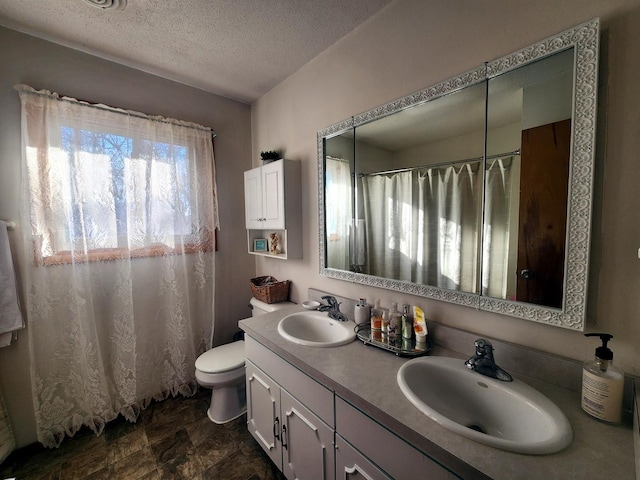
(7, 440)
(339, 212)
(119, 211)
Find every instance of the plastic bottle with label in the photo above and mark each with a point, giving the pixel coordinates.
(376, 316)
(602, 384)
(395, 323)
(407, 323)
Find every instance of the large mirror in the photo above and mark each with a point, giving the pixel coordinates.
(475, 191)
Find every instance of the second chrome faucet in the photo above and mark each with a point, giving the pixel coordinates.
(483, 362)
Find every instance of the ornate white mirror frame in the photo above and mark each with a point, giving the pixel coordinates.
(584, 39)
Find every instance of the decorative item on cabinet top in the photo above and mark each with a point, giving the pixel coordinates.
(270, 156)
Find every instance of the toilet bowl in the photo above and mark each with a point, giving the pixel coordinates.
(222, 370)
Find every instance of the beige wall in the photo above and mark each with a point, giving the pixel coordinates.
(415, 43)
(25, 59)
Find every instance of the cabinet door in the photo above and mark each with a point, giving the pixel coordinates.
(273, 195)
(253, 198)
(352, 465)
(307, 442)
(263, 412)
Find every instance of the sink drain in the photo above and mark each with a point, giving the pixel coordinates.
(477, 428)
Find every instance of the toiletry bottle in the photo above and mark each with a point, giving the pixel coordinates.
(407, 323)
(385, 320)
(419, 325)
(362, 312)
(602, 384)
(395, 323)
(376, 317)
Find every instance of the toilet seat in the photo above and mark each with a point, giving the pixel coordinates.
(223, 358)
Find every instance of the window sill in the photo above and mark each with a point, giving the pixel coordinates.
(113, 254)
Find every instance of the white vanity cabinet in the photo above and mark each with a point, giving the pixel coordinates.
(370, 440)
(272, 204)
(297, 440)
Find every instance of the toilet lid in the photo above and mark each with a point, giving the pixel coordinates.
(223, 358)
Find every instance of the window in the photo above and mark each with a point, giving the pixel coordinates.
(108, 184)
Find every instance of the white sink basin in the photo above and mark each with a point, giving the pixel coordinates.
(316, 329)
(508, 415)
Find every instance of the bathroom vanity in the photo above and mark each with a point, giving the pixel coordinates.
(315, 408)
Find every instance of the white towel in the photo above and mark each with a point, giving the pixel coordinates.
(10, 316)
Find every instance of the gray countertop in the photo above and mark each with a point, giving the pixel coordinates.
(365, 376)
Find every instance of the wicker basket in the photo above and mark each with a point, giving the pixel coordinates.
(269, 290)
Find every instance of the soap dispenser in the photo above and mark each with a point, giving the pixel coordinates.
(602, 384)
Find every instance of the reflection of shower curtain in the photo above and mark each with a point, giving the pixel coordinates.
(424, 225)
(495, 254)
(338, 199)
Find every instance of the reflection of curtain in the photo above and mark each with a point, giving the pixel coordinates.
(423, 225)
(495, 255)
(338, 198)
(120, 211)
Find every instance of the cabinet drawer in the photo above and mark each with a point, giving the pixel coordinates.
(352, 465)
(309, 392)
(383, 448)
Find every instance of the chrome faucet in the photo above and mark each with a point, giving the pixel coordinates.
(483, 363)
(333, 308)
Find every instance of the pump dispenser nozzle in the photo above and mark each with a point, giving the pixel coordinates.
(602, 352)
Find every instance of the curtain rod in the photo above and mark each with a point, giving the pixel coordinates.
(106, 108)
(442, 164)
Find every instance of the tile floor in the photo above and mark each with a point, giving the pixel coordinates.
(172, 439)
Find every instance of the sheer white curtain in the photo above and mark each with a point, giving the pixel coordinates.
(497, 210)
(423, 225)
(120, 214)
(339, 212)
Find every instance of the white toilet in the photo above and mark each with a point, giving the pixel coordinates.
(222, 370)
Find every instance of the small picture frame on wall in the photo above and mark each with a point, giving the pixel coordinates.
(260, 245)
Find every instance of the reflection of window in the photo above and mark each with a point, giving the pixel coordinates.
(105, 185)
(338, 198)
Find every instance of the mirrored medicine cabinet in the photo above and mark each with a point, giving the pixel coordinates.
(475, 191)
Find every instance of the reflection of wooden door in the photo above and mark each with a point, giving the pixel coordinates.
(544, 180)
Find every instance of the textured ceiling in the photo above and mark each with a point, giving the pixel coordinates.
(236, 48)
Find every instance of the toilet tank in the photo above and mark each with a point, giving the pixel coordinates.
(258, 307)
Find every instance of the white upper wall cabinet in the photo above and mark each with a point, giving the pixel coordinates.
(265, 196)
(272, 196)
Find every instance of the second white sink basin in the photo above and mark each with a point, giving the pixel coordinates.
(316, 329)
(511, 416)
